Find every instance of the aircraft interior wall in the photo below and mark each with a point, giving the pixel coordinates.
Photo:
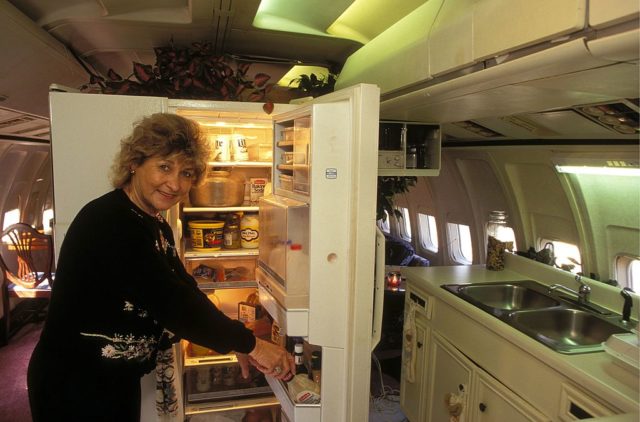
(598, 214)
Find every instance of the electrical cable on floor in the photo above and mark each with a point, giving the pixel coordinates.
(387, 400)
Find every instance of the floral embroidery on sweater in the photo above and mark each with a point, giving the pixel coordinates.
(126, 346)
(130, 307)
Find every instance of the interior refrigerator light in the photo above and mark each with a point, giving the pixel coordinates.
(604, 171)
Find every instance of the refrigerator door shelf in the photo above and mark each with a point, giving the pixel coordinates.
(288, 300)
(292, 322)
(294, 411)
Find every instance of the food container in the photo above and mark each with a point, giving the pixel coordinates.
(218, 190)
(206, 235)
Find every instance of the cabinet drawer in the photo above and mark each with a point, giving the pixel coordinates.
(575, 404)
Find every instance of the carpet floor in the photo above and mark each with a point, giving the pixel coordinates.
(14, 359)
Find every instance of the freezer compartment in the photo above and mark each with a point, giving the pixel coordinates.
(262, 409)
(222, 271)
(222, 381)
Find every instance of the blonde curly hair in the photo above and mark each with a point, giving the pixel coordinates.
(161, 135)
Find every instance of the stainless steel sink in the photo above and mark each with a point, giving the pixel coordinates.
(507, 296)
(554, 320)
(566, 329)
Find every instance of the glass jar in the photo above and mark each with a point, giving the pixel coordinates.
(249, 231)
(497, 225)
(220, 189)
(231, 232)
(497, 239)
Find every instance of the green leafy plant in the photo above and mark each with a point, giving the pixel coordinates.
(312, 85)
(388, 187)
(188, 72)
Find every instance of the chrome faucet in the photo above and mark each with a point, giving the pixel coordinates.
(583, 291)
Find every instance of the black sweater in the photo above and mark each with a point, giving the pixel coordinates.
(119, 284)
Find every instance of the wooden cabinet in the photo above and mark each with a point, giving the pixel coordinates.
(449, 381)
(493, 402)
(457, 386)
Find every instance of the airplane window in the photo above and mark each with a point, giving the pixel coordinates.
(47, 220)
(633, 279)
(11, 217)
(405, 224)
(628, 272)
(566, 254)
(428, 232)
(460, 243)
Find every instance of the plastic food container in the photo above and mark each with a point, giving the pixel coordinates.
(206, 235)
(220, 189)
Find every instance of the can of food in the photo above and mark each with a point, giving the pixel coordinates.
(206, 235)
(221, 148)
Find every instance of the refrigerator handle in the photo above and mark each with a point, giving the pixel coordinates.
(378, 294)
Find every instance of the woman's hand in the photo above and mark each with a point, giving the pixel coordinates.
(270, 359)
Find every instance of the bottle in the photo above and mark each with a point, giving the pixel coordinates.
(298, 358)
(231, 232)
(316, 366)
(497, 231)
(412, 157)
(249, 231)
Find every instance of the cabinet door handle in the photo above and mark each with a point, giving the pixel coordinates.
(419, 345)
(482, 407)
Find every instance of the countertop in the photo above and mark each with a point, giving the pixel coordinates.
(598, 372)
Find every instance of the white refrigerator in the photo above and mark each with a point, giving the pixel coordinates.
(325, 155)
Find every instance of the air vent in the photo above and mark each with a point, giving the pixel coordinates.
(478, 129)
(620, 117)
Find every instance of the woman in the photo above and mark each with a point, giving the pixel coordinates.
(121, 290)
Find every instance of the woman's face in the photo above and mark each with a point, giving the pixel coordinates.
(160, 182)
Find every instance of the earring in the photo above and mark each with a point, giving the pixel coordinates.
(132, 172)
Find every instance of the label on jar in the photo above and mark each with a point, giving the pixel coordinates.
(249, 231)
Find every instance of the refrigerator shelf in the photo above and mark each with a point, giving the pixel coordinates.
(220, 209)
(209, 359)
(215, 285)
(224, 406)
(221, 253)
(294, 411)
(239, 163)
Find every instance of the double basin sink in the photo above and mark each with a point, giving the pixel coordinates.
(557, 321)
